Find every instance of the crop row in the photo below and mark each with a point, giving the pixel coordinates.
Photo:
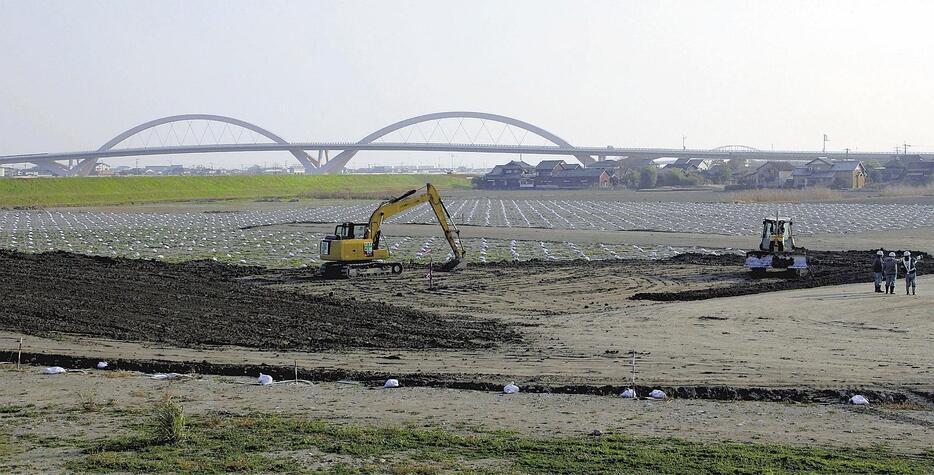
(274, 247)
(701, 218)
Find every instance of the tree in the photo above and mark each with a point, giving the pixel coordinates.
(873, 172)
(721, 174)
(648, 176)
(677, 177)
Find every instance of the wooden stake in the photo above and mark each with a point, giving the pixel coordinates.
(295, 367)
(633, 369)
(19, 354)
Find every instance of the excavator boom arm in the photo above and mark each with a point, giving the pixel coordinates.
(408, 200)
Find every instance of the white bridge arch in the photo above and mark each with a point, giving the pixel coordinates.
(337, 163)
(85, 166)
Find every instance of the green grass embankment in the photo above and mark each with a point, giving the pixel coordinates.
(274, 443)
(99, 191)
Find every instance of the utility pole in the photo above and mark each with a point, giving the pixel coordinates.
(826, 139)
(905, 145)
(683, 141)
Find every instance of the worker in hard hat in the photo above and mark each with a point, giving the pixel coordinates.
(877, 270)
(910, 265)
(890, 269)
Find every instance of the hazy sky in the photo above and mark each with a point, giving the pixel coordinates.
(765, 74)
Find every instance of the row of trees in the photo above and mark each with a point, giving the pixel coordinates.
(651, 177)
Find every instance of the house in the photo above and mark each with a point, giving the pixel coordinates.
(547, 167)
(635, 163)
(164, 170)
(35, 171)
(690, 164)
(847, 174)
(581, 178)
(770, 175)
(919, 172)
(612, 167)
(513, 175)
(103, 169)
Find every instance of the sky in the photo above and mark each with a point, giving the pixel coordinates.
(772, 75)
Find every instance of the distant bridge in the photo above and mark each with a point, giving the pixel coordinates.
(87, 160)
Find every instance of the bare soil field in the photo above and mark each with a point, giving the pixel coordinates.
(202, 303)
(554, 325)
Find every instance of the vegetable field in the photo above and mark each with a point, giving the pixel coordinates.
(252, 237)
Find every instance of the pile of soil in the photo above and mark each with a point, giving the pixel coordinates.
(824, 268)
(208, 303)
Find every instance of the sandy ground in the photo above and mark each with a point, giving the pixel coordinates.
(904, 429)
(828, 337)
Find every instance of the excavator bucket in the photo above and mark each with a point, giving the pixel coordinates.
(454, 265)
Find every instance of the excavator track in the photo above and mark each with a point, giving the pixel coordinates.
(337, 270)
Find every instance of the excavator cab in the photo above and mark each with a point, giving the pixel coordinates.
(777, 249)
(354, 249)
(349, 244)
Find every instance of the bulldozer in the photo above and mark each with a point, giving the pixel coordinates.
(355, 250)
(777, 250)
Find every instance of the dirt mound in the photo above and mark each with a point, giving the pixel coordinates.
(825, 268)
(207, 303)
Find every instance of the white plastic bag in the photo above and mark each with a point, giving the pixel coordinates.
(54, 370)
(657, 394)
(511, 388)
(166, 376)
(859, 400)
(264, 379)
(101, 365)
(391, 383)
(628, 393)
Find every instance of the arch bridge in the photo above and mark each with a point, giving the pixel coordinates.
(59, 163)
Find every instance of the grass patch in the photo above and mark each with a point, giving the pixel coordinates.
(99, 191)
(907, 190)
(169, 421)
(29, 410)
(268, 443)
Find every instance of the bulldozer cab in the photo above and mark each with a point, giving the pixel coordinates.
(777, 235)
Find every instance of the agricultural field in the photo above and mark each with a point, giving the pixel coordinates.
(572, 298)
(276, 238)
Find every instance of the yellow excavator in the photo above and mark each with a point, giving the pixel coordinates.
(354, 249)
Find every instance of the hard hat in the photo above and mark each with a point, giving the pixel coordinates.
(891, 254)
(907, 254)
(879, 252)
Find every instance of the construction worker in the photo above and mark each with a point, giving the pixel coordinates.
(910, 265)
(890, 269)
(877, 270)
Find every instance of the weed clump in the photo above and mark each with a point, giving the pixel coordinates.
(169, 421)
